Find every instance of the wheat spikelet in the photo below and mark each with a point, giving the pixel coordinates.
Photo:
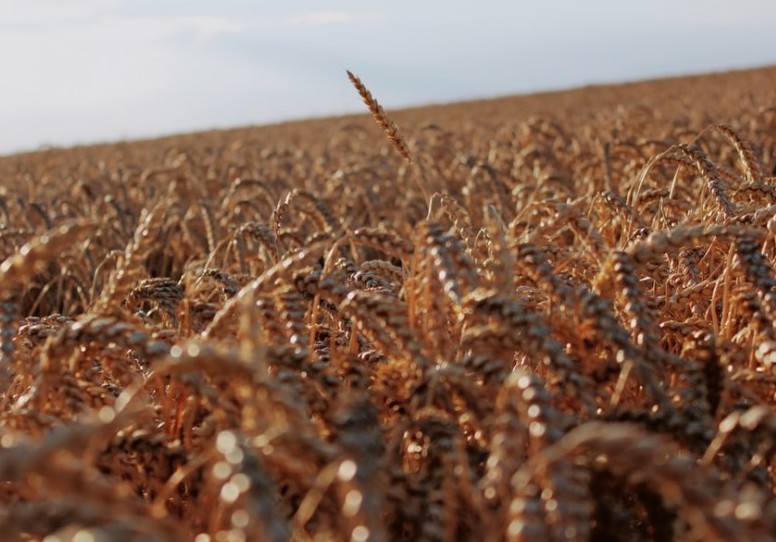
(100, 329)
(194, 279)
(359, 434)
(384, 321)
(758, 271)
(382, 120)
(136, 251)
(391, 243)
(689, 490)
(508, 444)
(8, 316)
(210, 225)
(459, 216)
(317, 206)
(747, 439)
(708, 172)
(246, 491)
(501, 261)
(35, 254)
(749, 162)
(711, 383)
(161, 292)
(386, 271)
(526, 329)
(448, 258)
(265, 281)
(659, 243)
(243, 184)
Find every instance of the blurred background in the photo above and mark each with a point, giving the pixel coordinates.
(83, 71)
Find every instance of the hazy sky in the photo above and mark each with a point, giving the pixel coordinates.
(77, 71)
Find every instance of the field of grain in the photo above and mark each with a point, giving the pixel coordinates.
(549, 317)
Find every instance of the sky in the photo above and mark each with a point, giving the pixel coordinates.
(82, 71)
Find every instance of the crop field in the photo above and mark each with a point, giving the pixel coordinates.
(539, 318)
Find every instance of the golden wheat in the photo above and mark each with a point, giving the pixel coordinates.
(522, 326)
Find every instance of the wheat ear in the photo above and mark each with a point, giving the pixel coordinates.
(388, 126)
(378, 113)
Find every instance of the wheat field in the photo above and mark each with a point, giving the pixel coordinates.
(549, 317)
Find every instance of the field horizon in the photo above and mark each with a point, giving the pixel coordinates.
(511, 99)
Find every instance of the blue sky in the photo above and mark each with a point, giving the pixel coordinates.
(77, 71)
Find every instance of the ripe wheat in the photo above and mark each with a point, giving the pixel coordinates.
(524, 326)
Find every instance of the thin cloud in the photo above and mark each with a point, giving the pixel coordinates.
(203, 28)
(78, 70)
(322, 18)
(25, 12)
